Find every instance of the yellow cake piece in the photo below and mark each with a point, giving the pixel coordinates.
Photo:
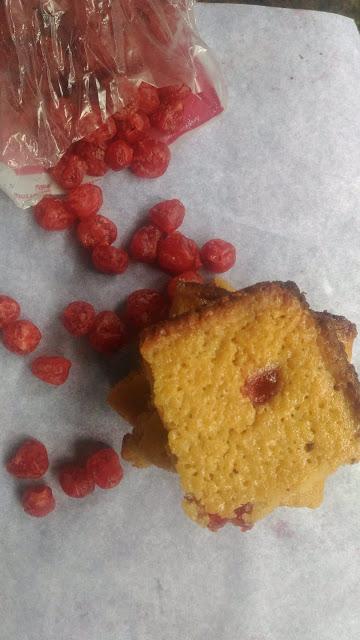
(130, 397)
(147, 444)
(231, 452)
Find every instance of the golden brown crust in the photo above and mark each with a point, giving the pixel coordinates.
(346, 331)
(189, 320)
(191, 295)
(347, 327)
(344, 374)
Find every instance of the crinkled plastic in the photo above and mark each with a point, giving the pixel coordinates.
(66, 65)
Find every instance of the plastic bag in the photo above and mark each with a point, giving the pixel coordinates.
(66, 66)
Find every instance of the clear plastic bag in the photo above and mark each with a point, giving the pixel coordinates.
(66, 65)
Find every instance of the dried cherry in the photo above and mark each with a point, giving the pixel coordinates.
(174, 92)
(94, 157)
(144, 244)
(78, 317)
(76, 481)
(108, 259)
(84, 201)
(218, 256)
(177, 254)
(108, 333)
(145, 307)
(30, 461)
(216, 522)
(238, 520)
(69, 172)
(167, 215)
(151, 158)
(118, 155)
(38, 501)
(134, 127)
(9, 310)
(105, 132)
(169, 118)
(52, 215)
(51, 369)
(21, 337)
(149, 100)
(96, 230)
(260, 387)
(105, 468)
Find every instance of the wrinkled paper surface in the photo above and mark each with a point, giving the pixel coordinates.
(279, 174)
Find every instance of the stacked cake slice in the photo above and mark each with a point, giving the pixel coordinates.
(249, 396)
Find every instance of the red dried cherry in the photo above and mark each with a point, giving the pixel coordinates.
(167, 215)
(30, 461)
(144, 243)
(103, 134)
(261, 386)
(52, 215)
(51, 369)
(69, 172)
(188, 276)
(218, 256)
(134, 127)
(149, 100)
(78, 317)
(38, 501)
(94, 156)
(76, 481)
(84, 201)
(108, 333)
(9, 310)
(169, 117)
(238, 520)
(216, 522)
(174, 92)
(118, 155)
(109, 259)
(96, 230)
(145, 307)
(21, 337)
(105, 468)
(177, 253)
(151, 158)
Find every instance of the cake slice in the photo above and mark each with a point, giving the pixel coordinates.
(258, 399)
(147, 444)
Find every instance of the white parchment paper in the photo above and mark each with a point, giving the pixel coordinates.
(279, 174)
